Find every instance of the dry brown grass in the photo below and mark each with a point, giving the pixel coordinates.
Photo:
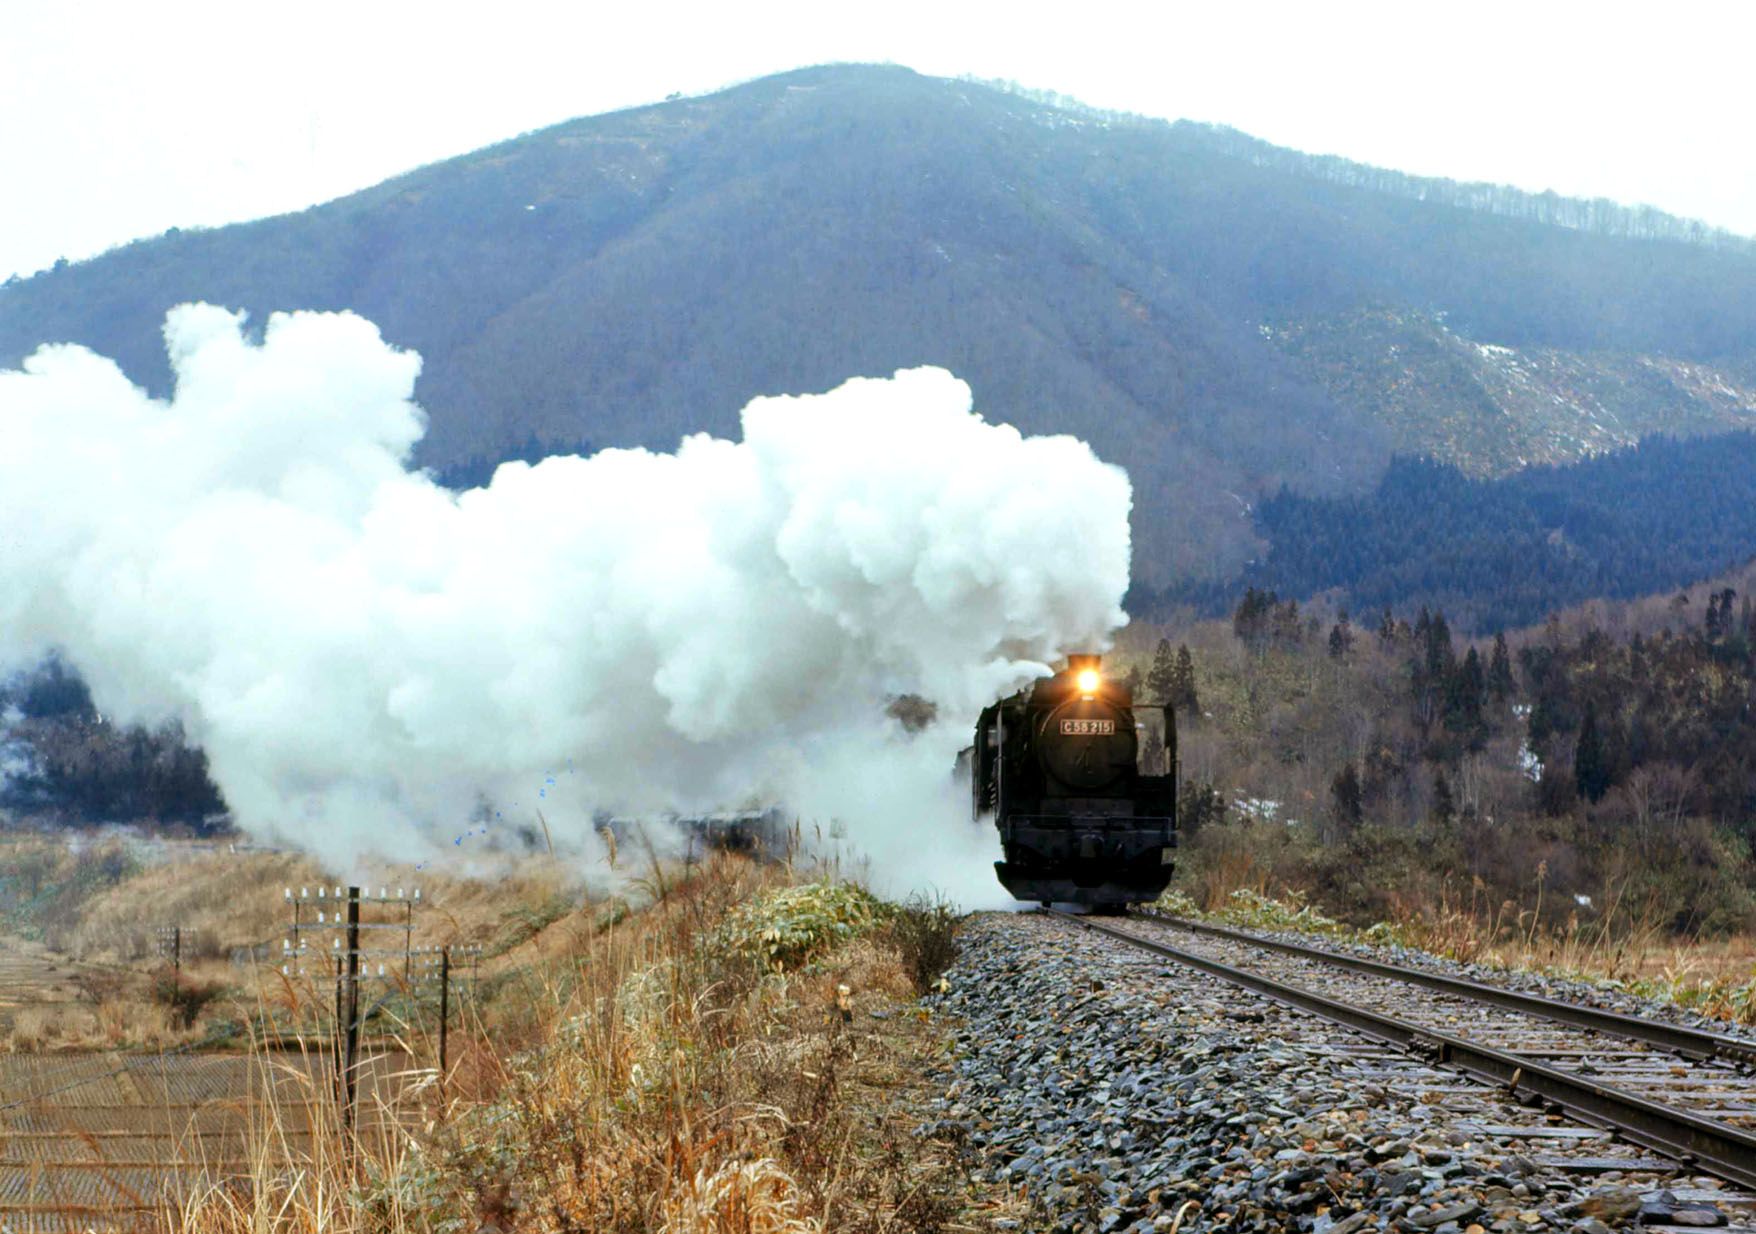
(109, 1025)
(231, 908)
(644, 1071)
(221, 900)
(626, 1065)
(1620, 944)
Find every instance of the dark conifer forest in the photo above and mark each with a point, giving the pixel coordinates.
(1497, 553)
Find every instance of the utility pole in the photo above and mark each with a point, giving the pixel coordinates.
(353, 1009)
(170, 946)
(342, 930)
(337, 1047)
(444, 1006)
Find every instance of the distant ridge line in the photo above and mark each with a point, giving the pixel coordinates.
(1593, 215)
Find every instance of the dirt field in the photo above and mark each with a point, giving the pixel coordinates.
(30, 975)
(110, 1114)
(106, 1139)
(93, 1139)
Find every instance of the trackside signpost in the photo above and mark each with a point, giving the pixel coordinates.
(332, 929)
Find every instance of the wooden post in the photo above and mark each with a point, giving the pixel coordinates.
(353, 1009)
(336, 1048)
(444, 1005)
(177, 948)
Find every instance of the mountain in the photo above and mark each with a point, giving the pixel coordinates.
(1490, 409)
(1224, 319)
(1509, 550)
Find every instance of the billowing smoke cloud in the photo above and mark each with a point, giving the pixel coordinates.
(368, 657)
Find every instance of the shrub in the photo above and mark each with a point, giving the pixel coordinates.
(788, 928)
(924, 932)
(184, 997)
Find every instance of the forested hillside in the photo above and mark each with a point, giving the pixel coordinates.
(1209, 314)
(1489, 409)
(62, 761)
(1387, 767)
(1509, 551)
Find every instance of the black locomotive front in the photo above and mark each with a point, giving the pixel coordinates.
(1082, 787)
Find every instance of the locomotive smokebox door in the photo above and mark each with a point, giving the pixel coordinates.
(1084, 747)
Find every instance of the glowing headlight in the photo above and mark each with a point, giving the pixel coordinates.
(1088, 681)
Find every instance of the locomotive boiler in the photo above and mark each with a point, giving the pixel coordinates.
(1082, 786)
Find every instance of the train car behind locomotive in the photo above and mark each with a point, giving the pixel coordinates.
(1082, 785)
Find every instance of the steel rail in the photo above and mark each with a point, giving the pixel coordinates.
(1711, 1146)
(1688, 1042)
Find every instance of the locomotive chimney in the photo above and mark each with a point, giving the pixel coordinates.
(1081, 663)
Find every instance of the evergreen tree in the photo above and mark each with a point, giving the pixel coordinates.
(1198, 804)
(1345, 797)
(1544, 720)
(1250, 621)
(1726, 628)
(1381, 771)
(1288, 630)
(1341, 639)
(1500, 681)
(1441, 656)
(1444, 804)
(1464, 694)
(1555, 793)
(1431, 668)
(1591, 762)
(1183, 694)
(1162, 676)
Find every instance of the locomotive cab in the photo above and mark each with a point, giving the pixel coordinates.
(1081, 784)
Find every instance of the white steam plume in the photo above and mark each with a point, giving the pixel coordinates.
(366, 656)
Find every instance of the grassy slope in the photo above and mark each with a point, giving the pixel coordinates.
(700, 1049)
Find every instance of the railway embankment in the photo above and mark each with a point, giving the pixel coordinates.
(1605, 994)
(1112, 1090)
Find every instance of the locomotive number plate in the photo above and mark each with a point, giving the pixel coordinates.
(1088, 728)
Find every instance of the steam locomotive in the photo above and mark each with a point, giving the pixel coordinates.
(1081, 784)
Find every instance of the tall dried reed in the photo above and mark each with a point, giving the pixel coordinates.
(650, 1070)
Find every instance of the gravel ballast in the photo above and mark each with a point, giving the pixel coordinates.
(1120, 1092)
(1605, 996)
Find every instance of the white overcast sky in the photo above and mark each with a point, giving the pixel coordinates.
(118, 120)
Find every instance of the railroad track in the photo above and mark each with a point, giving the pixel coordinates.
(1687, 1094)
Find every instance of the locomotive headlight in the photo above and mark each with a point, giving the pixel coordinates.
(1088, 681)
